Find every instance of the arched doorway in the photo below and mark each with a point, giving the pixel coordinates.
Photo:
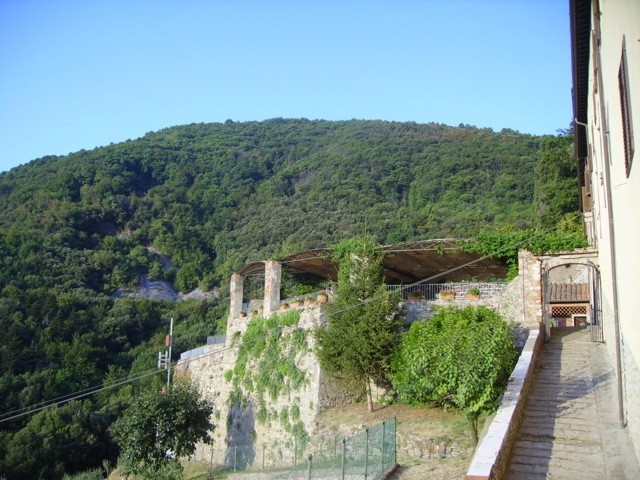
(572, 299)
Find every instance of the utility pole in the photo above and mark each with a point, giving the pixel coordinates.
(164, 359)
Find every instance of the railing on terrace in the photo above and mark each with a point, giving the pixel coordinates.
(211, 340)
(432, 291)
(216, 339)
(366, 455)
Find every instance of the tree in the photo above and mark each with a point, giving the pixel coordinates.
(555, 186)
(55, 441)
(158, 429)
(461, 358)
(360, 339)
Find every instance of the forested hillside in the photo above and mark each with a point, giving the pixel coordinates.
(211, 197)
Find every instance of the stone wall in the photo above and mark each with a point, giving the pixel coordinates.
(237, 425)
(520, 301)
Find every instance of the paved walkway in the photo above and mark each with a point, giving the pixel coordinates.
(571, 428)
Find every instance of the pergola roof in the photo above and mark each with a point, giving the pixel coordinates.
(434, 261)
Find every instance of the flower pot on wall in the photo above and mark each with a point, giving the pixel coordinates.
(322, 297)
(473, 296)
(447, 296)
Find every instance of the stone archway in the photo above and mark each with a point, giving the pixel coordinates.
(576, 299)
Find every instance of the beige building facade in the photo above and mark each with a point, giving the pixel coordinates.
(606, 100)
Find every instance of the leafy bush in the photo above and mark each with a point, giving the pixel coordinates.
(461, 358)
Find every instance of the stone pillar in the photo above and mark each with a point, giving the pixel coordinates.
(236, 291)
(272, 271)
(531, 275)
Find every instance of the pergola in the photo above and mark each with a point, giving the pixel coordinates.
(436, 261)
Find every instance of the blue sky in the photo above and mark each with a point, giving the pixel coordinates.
(76, 74)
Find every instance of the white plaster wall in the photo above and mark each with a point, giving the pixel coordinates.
(620, 19)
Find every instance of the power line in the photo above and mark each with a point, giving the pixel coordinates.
(81, 395)
(91, 390)
(61, 397)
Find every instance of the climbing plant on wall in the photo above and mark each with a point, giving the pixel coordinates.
(267, 367)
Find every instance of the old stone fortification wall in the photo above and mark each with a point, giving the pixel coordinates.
(236, 423)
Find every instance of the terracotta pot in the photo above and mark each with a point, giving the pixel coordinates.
(322, 298)
(447, 296)
(471, 296)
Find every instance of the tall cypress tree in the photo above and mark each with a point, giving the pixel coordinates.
(362, 334)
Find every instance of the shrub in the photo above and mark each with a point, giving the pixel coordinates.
(461, 358)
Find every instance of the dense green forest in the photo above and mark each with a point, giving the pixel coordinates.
(212, 197)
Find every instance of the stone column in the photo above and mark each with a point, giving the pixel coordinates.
(530, 269)
(236, 291)
(272, 271)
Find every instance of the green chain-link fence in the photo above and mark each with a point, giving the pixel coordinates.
(364, 456)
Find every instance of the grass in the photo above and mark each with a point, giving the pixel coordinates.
(192, 471)
(423, 434)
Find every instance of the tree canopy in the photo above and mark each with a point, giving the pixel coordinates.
(159, 428)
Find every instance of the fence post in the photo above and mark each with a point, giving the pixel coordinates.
(395, 437)
(344, 455)
(235, 457)
(366, 454)
(310, 460)
(382, 449)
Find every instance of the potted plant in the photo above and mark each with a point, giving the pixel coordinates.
(473, 293)
(447, 294)
(308, 301)
(322, 297)
(297, 303)
(243, 314)
(284, 306)
(254, 313)
(414, 296)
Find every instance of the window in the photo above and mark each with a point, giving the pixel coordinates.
(625, 106)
